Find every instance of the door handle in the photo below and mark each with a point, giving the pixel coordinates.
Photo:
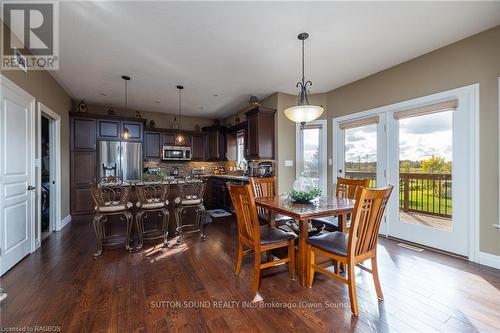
(31, 188)
(340, 170)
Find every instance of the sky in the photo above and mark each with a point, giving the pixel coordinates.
(419, 139)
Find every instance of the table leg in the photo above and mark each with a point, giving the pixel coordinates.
(302, 250)
(271, 216)
(342, 218)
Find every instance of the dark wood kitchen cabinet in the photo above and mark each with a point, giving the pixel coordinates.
(168, 139)
(108, 129)
(85, 130)
(152, 148)
(135, 130)
(198, 147)
(216, 137)
(260, 134)
(112, 129)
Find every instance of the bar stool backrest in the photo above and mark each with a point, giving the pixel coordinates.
(191, 191)
(109, 191)
(148, 193)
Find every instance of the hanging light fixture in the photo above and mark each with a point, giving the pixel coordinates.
(125, 133)
(179, 139)
(303, 112)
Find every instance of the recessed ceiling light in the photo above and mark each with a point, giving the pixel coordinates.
(103, 94)
(201, 107)
(215, 95)
(157, 102)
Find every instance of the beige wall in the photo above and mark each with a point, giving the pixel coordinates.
(285, 140)
(46, 90)
(162, 120)
(473, 60)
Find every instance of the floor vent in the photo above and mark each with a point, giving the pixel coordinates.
(410, 247)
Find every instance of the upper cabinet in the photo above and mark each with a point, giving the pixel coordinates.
(152, 145)
(260, 134)
(216, 137)
(112, 129)
(135, 130)
(83, 132)
(198, 147)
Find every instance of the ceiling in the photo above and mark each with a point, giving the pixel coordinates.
(238, 49)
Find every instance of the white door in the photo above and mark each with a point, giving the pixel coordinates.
(430, 158)
(360, 150)
(16, 174)
(311, 152)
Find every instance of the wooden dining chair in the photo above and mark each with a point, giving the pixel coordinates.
(358, 245)
(346, 189)
(258, 238)
(266, 187)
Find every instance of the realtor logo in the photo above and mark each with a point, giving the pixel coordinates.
(30, 35)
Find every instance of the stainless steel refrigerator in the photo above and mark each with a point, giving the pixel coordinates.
(121, 159)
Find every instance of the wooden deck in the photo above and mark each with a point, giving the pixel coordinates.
(438, 222)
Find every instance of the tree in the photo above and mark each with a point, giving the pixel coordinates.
(436, 164)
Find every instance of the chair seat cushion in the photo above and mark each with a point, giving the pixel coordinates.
(269, 235)
(187, 202)
(333, 242)
(151, 205)
(112, 207)
(332, 222)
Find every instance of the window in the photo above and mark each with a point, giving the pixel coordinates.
(311, 152)
(240, 149)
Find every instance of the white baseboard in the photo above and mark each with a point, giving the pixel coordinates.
(490, 260)
(64, 222)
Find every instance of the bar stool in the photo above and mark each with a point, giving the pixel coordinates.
(152, 200)
(190, 197)
(111, 199)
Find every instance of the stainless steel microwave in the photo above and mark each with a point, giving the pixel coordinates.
(176, 153)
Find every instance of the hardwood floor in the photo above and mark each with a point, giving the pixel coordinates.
(184, 289)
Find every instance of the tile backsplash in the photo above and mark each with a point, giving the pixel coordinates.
(186, 167)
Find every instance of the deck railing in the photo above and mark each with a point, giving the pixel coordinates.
(426, 193)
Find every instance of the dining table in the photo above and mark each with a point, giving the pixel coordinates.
(303, 213)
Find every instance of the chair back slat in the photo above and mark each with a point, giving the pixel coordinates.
(263, 187)
(346, 187)
(367, 216)
(246, 212)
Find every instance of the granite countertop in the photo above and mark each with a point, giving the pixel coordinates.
(226, 176)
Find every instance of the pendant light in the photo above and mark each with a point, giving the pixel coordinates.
(179, 139)
(303, 112)
(125, 133)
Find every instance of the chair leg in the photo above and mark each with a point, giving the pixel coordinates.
(201, 221)
(139, 221)
(166, 219)
(256, 272)
(310, 266)
(239, 258)
(129, 218)
(336, 265)
(98, 234)
(351, 281)
(178, 213)
(269, 256)
(376, 279)
(291, 256)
